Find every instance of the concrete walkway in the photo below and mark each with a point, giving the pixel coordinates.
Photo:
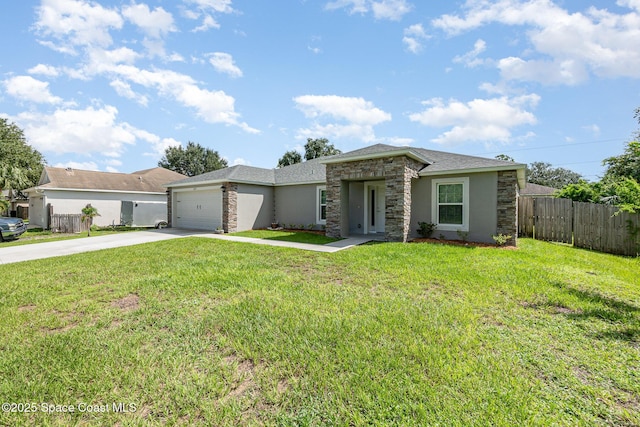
(42, 250)
(329, 247)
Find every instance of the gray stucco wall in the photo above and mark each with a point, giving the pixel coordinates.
(296, 204)
(255, 207)
(483, 199)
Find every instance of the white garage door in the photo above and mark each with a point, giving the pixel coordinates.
(199, 209)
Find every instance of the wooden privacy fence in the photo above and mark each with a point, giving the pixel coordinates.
(585, 225)
(68, 223)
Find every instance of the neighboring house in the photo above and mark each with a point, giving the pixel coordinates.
(537, 190)
(69, 190)
(380, 189)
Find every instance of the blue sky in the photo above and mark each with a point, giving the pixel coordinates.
(108, 85)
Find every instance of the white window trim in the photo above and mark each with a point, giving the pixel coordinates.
(320, 188)
(465, 204)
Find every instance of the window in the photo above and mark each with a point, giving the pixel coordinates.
(450, 209)
(321, 205)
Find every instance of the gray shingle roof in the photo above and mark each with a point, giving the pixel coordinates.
(238, 173)
(537, 190)
(311, 171)
(306, 172)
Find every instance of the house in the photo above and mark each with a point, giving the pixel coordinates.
(537, 190)
(380, 190)
(67, 191)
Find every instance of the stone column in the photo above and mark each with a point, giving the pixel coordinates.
(230, 207)
(508, 205)
(398, 174)
(169, 204)
(334, 196)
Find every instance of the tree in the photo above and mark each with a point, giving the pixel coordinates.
(193, 160)
(581, 191)
(20, 164)
(290, 158)
(88, 213)
(626, 165)
(505, 158)
(542, 173)
(320, 147)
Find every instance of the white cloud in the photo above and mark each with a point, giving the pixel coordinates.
(390, 9)
(77, 131)
(384, 9)
(87, 166)
(567, 47)
(485, 120)
(414, 36)
(77, 23)
(155, 24)
(631, 4)
(223, 63)
(26, 88)
(240, 161)
(124, 89)
(470, 59)
(208, 22)
(569, 71)
(356, 117)
(398, 141)
(44, 70)
(206, 8)
(158, 145)
(594, 129)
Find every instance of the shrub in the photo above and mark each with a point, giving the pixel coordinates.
(501, 239)
(426, 229)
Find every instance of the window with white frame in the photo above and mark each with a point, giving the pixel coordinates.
(450, 208)
(321, 205)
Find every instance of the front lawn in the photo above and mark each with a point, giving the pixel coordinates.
(199, 331)
(288, 236)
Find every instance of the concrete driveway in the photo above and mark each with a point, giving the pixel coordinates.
(33, 251)
(42, 250)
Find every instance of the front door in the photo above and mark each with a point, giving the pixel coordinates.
(376, 206)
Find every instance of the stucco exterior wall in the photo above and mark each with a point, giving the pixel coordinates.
(108, 204)
(296, 204)
(255, 206)
(483, 194)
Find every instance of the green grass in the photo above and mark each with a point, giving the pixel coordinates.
(38, 235)
(208, 332)
(287, 236)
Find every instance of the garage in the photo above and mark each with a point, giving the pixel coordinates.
(199, 209)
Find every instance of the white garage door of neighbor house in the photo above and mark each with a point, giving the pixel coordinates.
(199, 210)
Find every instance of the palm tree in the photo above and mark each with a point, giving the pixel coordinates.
(4, 205)
(88, 213)
(12, 177)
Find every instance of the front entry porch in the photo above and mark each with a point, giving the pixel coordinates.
(371, 197)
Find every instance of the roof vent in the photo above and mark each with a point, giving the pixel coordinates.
(69, 169)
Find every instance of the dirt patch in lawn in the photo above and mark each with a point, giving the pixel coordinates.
(128, 303)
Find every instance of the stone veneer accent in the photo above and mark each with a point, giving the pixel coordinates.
(169, 203)
(508, 205)
(230, 207)
(396, 171)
